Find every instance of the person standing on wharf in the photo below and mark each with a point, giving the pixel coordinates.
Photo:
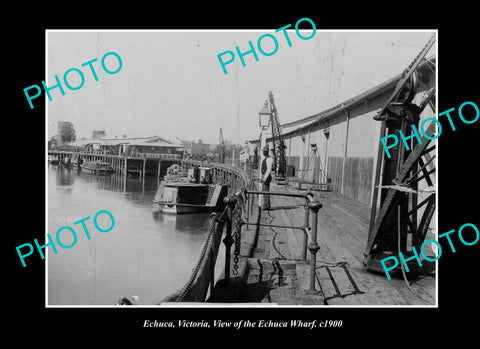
(266, 177)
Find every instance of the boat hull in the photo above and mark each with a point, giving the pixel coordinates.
(182, 209)
(96, 170)
(181, 198)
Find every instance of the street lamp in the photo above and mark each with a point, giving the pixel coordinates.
(264, 116)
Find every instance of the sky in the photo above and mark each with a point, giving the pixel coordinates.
(171, 83)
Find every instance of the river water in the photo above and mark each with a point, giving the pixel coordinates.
(147, 254)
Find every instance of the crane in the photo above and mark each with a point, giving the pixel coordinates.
(280, 164)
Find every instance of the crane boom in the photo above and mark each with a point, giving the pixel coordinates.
(280, 164)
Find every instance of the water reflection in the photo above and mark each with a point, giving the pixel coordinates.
(183, 223)
(64, 177)
(147, 253)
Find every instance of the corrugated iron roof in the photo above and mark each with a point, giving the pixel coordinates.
(349, 103)
(154, 141)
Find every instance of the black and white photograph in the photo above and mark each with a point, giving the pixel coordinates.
(179, 147)
(264, 175)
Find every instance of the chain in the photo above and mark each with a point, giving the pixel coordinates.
(236, 251)
(237, 232)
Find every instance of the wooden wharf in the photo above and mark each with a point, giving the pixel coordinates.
(346, 239)
(141, 164)
(273, 271)
(274, 268)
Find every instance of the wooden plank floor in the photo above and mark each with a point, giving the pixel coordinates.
(275, 272)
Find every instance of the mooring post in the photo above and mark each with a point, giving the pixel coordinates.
(228, 240)
(313, 246)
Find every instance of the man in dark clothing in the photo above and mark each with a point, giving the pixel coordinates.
(266, 177)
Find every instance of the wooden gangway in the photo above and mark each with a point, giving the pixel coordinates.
(341, 277)
(272, 268)
(274, 272)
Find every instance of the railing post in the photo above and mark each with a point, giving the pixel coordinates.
(313, 246)
(228, 240)
(305, 236)
(247, 207)
(251, 198)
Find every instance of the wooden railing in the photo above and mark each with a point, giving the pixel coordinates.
(175, 157)
(235, 178)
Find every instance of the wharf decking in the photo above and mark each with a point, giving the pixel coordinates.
(271, 269)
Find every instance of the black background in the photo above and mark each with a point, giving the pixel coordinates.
(24, 220)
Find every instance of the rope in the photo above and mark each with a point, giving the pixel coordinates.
(239, 211)
(203, 254)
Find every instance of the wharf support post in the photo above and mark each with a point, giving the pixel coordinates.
(313, 246)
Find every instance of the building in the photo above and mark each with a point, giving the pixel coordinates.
(340, 144)
(147, 147)
(150, 147)
(98, 134)
(201, 151)
(143, 155)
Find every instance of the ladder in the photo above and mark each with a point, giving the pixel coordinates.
(280, 164)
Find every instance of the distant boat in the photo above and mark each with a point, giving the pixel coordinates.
(97, 166)
(70, 161)
(53, 160)
(190, 194)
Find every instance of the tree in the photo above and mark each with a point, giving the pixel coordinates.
(52, 143)
(67, 133)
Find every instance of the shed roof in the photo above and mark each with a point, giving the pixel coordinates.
(154, 141)
(158, 144)
(348, 104)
